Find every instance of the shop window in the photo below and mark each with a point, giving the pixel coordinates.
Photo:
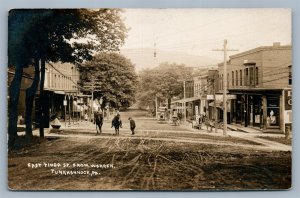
(55, 81)
(273, 111)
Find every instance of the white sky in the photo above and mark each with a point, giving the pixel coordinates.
(198, 31)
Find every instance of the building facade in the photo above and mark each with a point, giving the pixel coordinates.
(260, 79)
(62, 91)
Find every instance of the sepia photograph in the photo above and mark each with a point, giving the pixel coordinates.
(131, 99)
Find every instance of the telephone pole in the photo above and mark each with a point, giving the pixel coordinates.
(225, 50)
(215, 106)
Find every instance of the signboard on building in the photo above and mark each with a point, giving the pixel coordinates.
(288, 99)
(65, 102)
(288, 116)
(288, 106)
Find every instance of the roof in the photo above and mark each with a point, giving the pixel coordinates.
(187, 100)
(258, 49)
(262, 48)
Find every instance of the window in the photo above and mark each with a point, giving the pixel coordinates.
(236, 78)
(246, 77)
(290, 74)
(256, 75)
(55, 80)
(232, 74)
(227, 80)
(241, 78)
(251, 76)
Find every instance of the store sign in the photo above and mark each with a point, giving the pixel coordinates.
(65, 102)
(288, 116)
(288, 99)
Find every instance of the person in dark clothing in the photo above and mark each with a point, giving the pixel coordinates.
(132, 125)
(117, 123)
(99, 122)
(179, 115)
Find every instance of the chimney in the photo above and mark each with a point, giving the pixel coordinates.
(276, 44)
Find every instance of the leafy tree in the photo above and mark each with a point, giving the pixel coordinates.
(113, 77)
(66, 35)
(163, 82)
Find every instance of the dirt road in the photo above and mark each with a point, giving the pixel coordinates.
(159, 157)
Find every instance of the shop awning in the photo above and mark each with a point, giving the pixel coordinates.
(187, 100)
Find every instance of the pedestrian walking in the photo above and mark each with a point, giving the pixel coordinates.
(132, 125)
(99, 122)
(117, 123)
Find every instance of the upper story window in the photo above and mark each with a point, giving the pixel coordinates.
(256, 75)
(290, 74)
(227, 80)
(232, 74)
(251, 76)
(241, 78)
(236, 78)
(246, 75)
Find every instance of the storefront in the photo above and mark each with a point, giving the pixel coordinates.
(258, 108)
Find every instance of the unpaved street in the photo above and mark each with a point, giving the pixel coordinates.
(166, 159)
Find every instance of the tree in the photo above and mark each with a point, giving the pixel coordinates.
(163, 82)
(114, 78)
(66, 35)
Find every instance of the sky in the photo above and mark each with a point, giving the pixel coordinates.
(199, 31)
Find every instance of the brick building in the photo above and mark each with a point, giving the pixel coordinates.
(261, 80)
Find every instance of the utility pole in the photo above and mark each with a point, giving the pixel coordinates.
(156, 107)
(225, 50)
(92, 105)
(215, 107)
(73, 106)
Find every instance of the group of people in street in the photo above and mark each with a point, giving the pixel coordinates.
(116, 123)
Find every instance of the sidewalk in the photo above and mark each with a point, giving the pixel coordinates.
(252, 135)
(88, 129)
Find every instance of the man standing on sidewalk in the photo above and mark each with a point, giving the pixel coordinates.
(99, 122)
(117, 123)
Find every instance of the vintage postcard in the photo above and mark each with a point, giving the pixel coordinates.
(149, 99)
